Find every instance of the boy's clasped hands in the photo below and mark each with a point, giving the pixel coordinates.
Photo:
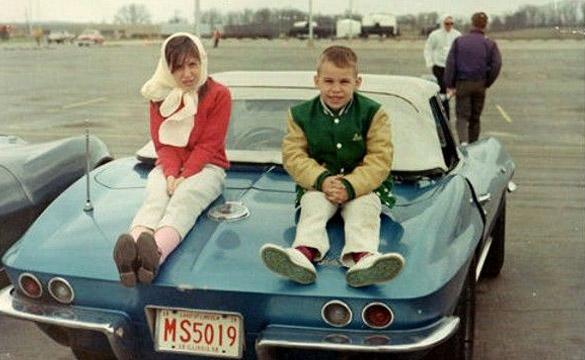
(334, 189)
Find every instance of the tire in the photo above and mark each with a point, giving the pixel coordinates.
(88, 355)
(460, 345)
(495, 258)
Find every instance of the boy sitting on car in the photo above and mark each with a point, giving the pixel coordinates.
(338, 149)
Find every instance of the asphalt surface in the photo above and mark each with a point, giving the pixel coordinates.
(534, 310)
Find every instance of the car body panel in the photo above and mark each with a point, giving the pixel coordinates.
(33, 175)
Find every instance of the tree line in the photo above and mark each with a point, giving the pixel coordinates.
(566, 13)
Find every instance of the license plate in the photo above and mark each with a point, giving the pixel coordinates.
(199, 332)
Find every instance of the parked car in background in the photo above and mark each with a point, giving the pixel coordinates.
(213, 298)
(90, 37)
(5, 31)
(60, 37)
(33, 175)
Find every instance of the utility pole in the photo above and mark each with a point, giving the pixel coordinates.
(310, 42)
(197, 18)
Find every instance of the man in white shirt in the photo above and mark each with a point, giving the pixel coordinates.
(436, 51)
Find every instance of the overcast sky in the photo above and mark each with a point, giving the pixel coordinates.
(162, 10)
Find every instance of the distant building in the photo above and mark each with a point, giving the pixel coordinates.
(348, 28)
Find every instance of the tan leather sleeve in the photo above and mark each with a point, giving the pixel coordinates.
(377, 163)
(295, 156)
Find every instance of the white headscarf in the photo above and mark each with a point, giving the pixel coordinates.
(176, 128)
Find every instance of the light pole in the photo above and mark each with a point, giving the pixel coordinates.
(310, 42)
(197, 16)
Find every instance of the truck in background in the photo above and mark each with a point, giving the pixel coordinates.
(381, 24)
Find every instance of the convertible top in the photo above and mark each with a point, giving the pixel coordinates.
(415, 90)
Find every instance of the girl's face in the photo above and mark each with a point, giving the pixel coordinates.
(187, 74)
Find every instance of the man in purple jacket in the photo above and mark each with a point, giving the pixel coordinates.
(473, 64)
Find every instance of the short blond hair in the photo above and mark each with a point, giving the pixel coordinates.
(340, 56)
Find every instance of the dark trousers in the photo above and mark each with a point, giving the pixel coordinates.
(469, 105)
(439, 73)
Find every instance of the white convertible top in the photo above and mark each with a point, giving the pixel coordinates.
(414, 133)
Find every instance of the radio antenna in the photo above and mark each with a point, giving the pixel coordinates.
(88, 206)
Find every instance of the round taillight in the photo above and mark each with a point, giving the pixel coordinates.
(336, 313)
(377, 315)
(30, 285)
(61, 291)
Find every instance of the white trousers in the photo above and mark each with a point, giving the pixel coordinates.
(360, 215)
(181, 210)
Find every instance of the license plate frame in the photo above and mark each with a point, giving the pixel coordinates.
(197, 324)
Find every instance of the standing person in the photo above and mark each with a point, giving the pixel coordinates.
(189, 114)
(338, 149)
(38, 36)
(216, 36)
(436, 50)
(473, 65)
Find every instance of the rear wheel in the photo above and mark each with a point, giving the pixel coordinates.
(460, 345)
(495, 258)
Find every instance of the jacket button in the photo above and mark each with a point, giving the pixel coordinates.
(339, 145)
(336, 121)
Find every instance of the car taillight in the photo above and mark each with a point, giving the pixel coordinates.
(336, 313)
(30, 285)
(377, 315)
(61, 291)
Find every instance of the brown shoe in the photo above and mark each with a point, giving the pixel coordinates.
(126, 259)
(149, 258)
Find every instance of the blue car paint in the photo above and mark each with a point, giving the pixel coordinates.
(83, 242)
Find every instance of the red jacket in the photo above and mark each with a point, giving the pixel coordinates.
(207, 140)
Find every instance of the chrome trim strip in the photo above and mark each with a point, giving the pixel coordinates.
(115, 326)
(276, 336)
(482, 257)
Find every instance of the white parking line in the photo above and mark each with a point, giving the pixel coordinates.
(503, 113)
(83, 103)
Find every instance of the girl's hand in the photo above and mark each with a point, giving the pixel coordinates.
(178, 181)
(170, 185)
(173, 183)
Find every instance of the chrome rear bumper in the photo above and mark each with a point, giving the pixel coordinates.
(115, 326)
(408, 341)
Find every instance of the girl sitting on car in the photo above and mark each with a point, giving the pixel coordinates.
(189, 114)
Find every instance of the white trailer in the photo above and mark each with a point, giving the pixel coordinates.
(381, 24)
(348, 28)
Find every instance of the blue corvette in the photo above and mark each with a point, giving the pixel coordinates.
(213, 297)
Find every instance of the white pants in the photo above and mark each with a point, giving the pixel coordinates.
(181, 210)
(360, 215)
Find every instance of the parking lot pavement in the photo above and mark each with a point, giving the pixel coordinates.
(534, 310)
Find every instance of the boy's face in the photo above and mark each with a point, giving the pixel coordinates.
(336, 85)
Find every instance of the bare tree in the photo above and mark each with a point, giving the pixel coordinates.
(212, 17)
(133, 14)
